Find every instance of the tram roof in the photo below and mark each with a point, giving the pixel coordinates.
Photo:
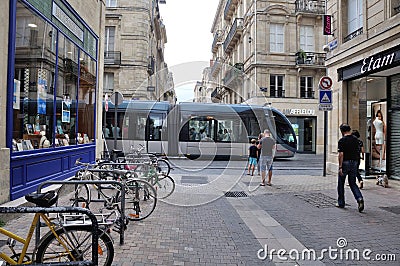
(143, 105)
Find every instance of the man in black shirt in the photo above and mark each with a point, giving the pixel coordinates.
(348, 164)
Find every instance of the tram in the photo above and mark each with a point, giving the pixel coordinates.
(195, 129)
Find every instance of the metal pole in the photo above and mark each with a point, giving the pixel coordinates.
(115, 120)
(325, 139)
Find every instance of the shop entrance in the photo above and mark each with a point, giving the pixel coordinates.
(305, 128)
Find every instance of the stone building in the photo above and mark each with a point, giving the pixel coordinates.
(271, 52)
(364, 63)
(134, 51)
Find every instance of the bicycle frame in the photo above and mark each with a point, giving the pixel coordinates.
(40, 213)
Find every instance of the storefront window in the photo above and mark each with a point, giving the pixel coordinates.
(34, 77)
(86, 99)
(40, 95)
(367, 98)
(66, 92)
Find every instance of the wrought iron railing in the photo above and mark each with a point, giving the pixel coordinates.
(216, 66)
(237, 27)
(353, 35)
(310, 6)
(112, 58)
(311, 58)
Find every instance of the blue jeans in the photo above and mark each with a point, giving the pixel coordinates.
(349, 168)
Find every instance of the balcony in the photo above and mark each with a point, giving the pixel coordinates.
(112, 58)
(353, 35)
(216, 66)
(217, 94)
(316, 7)
(229, 9)
(234, 34)
(234, 76)
(310, 59)
(214, 46)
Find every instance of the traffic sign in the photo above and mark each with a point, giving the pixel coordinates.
(325, 97)
(117, 98)
(325, 83)
(325, 107)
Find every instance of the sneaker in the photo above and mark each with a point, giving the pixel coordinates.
(339, 206)
(361, 184)
(360, 205)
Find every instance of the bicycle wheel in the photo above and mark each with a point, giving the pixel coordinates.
(163, 166)
(78, 239)
(78, 195)
(140, 199)
(164, 185)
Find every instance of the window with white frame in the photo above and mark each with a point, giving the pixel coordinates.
(276, 38)
(276, 86)
(354, 15)
(111, 3)
(108, 82)
(306, 87)
(109, 39)
(307, 40)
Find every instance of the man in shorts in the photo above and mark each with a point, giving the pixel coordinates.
(267, 145)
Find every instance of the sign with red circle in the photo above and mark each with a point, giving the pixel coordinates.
(325, 83)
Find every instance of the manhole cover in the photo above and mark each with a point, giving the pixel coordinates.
(194, 180)
(319, 200)
(235, 194)
(392, 209)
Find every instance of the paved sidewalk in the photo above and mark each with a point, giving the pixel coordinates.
(297, 213)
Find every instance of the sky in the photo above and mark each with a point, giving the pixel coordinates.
(189, 39)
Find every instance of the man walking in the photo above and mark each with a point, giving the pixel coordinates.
(267, 146)
(348, 164)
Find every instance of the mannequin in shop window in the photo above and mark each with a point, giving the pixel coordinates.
(380, 131)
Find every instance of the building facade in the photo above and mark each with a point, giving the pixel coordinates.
(134, 51)
(270, 52)
(364, 62)
(50, 90)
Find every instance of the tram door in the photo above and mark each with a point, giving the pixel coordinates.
(154, 133)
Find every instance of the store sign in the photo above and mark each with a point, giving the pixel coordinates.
(61, 16)
(327, 25)
(371, 64)
(298, 111)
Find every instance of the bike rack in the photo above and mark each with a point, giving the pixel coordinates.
(95, 182)
(87, 212)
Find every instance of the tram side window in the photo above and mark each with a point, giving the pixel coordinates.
(155, 127)
(140, 126)
(201, 129)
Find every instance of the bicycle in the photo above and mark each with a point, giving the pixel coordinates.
(63, 243)
(136, 156)
(140, 195)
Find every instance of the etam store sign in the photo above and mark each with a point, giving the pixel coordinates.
(372, 64)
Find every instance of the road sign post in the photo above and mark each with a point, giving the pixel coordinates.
(116, 98)
(325, 104)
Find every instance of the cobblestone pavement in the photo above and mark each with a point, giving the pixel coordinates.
(297, 212)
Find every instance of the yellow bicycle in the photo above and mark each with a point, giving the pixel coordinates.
(63, 243)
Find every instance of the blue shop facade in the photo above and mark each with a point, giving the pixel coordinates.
(51, 92)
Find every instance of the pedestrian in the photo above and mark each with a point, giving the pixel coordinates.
(356, 134)
(267, 145)
(348, 162)
(260, 136)
(252, 156)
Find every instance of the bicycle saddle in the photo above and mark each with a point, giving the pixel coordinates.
(45, 199)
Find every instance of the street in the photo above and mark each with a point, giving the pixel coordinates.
(293, 222)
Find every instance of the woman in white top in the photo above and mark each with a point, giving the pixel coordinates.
(380, 131)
